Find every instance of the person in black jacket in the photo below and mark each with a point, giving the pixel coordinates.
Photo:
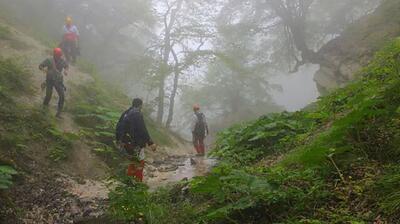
(132, 137)
(55, 67)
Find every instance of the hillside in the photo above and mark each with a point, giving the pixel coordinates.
(61, 167)
(336, 163)
(356, 46)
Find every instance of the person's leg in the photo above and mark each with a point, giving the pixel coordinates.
(74, 51)
(202, 147)
(196, 143)
(139, 171)
(49, 92)
(59, 86)
(131, 169)
(135, 170)
(67, 51)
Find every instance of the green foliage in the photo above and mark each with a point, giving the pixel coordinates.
(248, 143)
(5, 33)
(6, 173)
(14, 79)
(331, 171)
(243, 195)
(387, 190)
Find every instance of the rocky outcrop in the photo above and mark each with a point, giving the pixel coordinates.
(356, 46)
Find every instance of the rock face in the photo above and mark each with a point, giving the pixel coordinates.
(352, 50)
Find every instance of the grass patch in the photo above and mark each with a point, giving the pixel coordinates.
(5, 33)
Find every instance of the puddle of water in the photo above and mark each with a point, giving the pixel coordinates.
(191, 167)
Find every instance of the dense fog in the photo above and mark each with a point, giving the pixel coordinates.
(237, 59)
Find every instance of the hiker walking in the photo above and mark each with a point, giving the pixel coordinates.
(70, 40)
(55, 67)
(199, 129)
(132, 137)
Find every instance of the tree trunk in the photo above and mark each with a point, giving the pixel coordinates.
(172, 100)
(167, 51)
(174, 90)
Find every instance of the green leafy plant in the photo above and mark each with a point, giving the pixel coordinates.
(6, 173)
(5, 33)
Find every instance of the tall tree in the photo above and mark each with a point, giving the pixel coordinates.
(186, 27)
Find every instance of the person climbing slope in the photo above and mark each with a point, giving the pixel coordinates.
(70, 40)
(199, 129)
(132, 137)
(55, 67)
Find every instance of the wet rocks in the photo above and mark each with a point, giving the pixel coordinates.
(168, 168)
(46, 200)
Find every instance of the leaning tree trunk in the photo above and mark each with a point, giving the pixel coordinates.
(174, 90)
(167, 50)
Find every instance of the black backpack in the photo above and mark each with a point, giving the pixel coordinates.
(122, 128)
(200, 128)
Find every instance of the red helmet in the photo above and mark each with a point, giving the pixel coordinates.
(57, 52)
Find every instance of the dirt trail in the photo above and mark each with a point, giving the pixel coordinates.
(79, 184)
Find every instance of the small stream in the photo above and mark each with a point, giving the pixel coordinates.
(175, 169)
(158, 173)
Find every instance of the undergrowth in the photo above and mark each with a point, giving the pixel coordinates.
(338, 163)
(97, 107)
(22, 129)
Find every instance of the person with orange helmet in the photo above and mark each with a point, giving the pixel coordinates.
(55, 67)
(199, 129)
(70, 40)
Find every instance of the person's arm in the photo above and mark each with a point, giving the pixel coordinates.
(64, 31)
(205, 124)
(44, 64)
(142, 131)
(77, 32)
(119, 132)
(193, 123)
(65, 67)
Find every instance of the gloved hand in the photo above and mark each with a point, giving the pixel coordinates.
(153, 147)
(122, 149)
(43, 86)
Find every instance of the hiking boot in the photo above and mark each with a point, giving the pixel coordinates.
(45, 108)
(58, 115)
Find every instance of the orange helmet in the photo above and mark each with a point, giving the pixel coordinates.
(196, 107)
(57, 52)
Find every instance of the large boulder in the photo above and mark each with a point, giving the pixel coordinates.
(355, 47)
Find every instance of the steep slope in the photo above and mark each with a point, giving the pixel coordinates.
(355, 47)
(62, 164)
(336, 163)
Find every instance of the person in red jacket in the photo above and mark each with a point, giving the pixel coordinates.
(70, 40)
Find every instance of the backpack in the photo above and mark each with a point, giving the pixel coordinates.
(122, 129)
(123, 126)
(200, 128)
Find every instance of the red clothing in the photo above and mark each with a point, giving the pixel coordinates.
(135, 170)
(71, 33)
(198, 143)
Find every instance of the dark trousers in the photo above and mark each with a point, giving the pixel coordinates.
(198, 143)
(70, 49)
(59, 86)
